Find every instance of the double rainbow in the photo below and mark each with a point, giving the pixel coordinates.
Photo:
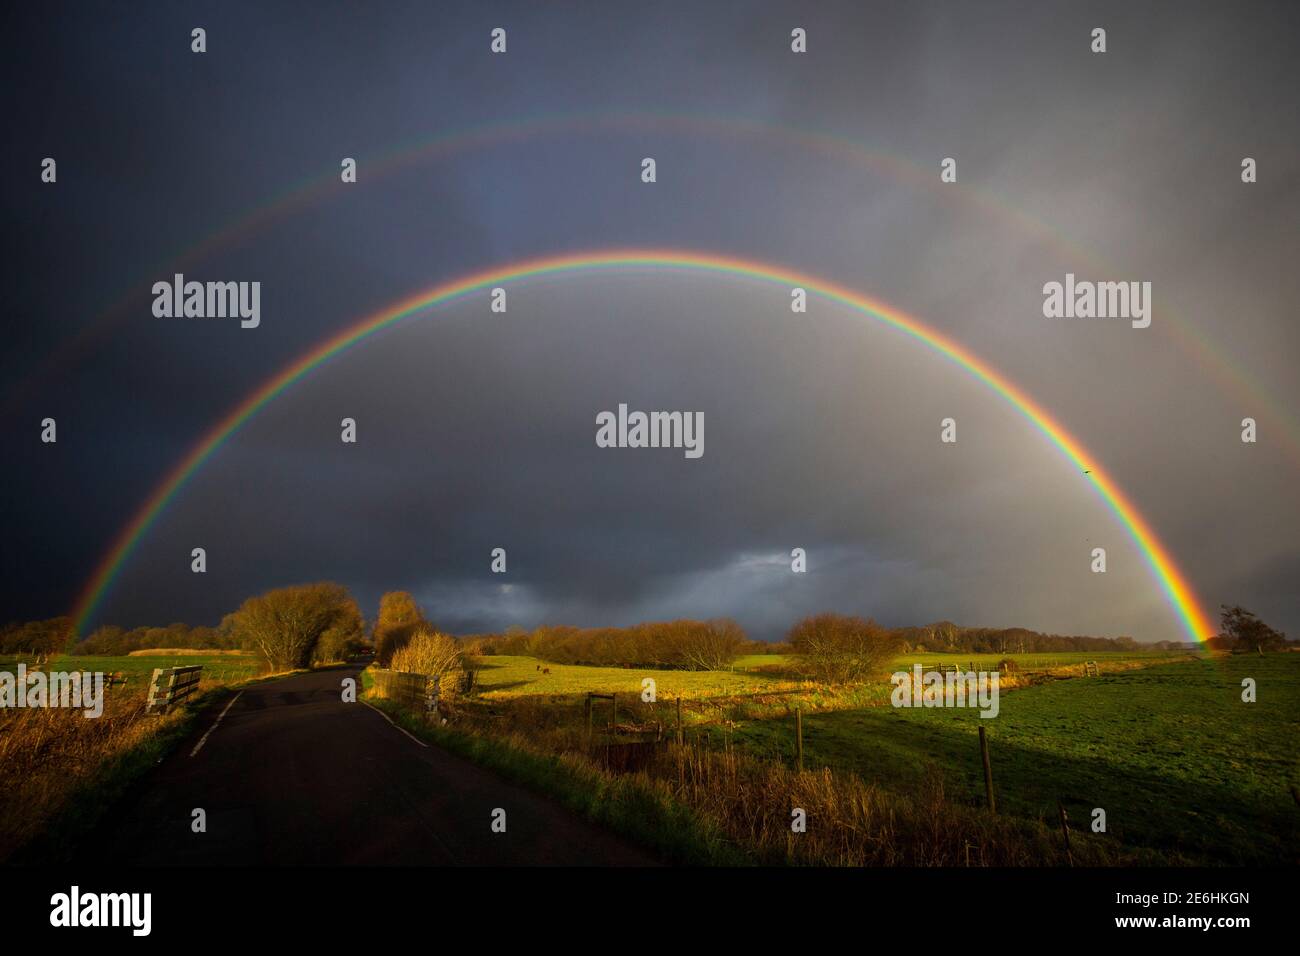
(1236, 382)
(1172, 581)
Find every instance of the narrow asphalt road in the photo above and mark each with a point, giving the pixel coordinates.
(291, 775)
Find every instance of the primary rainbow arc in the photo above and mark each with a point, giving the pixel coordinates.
(1173, 582)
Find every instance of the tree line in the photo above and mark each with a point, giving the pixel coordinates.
(665, 645)
(945, 637)
(300, 625)
(289, 627)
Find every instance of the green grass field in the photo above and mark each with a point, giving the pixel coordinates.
(139, 669)
(1161, 742)
(505, 677)
(508, 676)
(1170, 752)
(1177, 761)
(1043, 661)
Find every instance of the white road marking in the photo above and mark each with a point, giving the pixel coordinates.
(390, 720)
(204, 740)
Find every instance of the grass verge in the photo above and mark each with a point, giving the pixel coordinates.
(698, 805)
(64, 773)
(626, 805)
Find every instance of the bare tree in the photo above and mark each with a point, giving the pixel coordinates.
(284, 625)
(1246, 632)
(838, 649)
(711, 645)
(399, 618)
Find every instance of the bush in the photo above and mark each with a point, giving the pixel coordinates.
(400, 617)
(427, 652)
(286, 625)
(1008, 666)
(838, 650)
(435, 654)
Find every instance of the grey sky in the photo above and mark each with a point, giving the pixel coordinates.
(477, 431)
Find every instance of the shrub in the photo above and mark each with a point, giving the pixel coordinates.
(837, 650)
(435, 654)
(285, 625)
(427, 652)
(399, 618)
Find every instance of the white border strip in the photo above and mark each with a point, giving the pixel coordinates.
(204, 739)
(390, 720)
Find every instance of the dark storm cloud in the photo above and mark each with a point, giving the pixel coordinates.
(821, 432)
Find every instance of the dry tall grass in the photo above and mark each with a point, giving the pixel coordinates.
(848, 822)
(428, 652)
(48, 753)
(184, 651)
(751, 800)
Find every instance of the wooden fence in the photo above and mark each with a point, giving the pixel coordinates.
(625, 755)
(416, 692)
(171, 686)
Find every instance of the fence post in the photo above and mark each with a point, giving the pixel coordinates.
(1065, 829)
(680, 738)
(166, 689)
(988, 769)
(433, 691)
(171, 691)
(153, 690)
(798, 736)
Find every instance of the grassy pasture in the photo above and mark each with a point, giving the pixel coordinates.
(757, 685)
(1160, 741)
(1170, 752)
(1048, 660)
(62, 771)
(505, 677)
(138, 669)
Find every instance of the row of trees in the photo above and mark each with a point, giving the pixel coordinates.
(113, 641)
(946, 637)
(296, 626)
(680, 645)
(833, 648)
(290, 627)
(36, 638)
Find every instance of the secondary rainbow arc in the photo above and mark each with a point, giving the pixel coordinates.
(1213, 359)
(1171, 579)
